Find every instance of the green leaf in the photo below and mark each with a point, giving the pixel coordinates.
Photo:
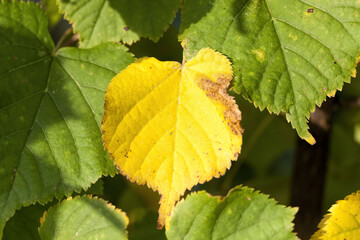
(83, 218)
(52, 11)
(352, 91)
(28, 220)
(50, 110)
(99, 21)
(243, 214)
(287, 55)
(2, 226)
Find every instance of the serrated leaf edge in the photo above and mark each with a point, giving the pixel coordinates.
(223, 198)
(88, 196)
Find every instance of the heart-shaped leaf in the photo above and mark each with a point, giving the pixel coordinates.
(171, 125)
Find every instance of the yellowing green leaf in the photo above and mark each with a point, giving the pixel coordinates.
(343, 221)
(172, 126)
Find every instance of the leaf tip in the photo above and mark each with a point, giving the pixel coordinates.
(311, 140)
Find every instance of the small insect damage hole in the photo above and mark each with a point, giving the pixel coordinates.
(217, 91)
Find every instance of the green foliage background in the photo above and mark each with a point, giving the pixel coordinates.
(51, 97)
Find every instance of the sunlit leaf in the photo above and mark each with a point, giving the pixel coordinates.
(172, 126)
(288, 55)
(51, 104)
(343, 221)
(242, 214)
(83, 218)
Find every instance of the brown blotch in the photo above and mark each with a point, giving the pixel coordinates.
(217, 91)
(310, 10)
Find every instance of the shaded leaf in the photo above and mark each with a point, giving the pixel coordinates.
(118, 20)
(2, 226)
(83, 218)
(287, 55)
(343, 220)
(242, 214)
(180, 128)
(50, 110)
(28, 220)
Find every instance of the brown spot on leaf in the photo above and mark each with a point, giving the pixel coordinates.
(217, 91)
(126, 28)
(310, 10)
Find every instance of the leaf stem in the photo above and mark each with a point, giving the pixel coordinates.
(65, 37)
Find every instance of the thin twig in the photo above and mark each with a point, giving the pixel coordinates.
(63, 38)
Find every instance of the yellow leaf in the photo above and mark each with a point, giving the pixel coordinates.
(172, 126)
(343, 221)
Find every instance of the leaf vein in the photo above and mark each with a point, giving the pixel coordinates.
(312, 36)
(143, 99)
(313, 65)
(51, 150)
(21, 100)
(37, 164)
(71, 133)
(22, 152)
(23, 66)
(323, 10)
(82, 94)
(87, 61)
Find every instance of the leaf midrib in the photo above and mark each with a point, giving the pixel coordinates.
(24, 146)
